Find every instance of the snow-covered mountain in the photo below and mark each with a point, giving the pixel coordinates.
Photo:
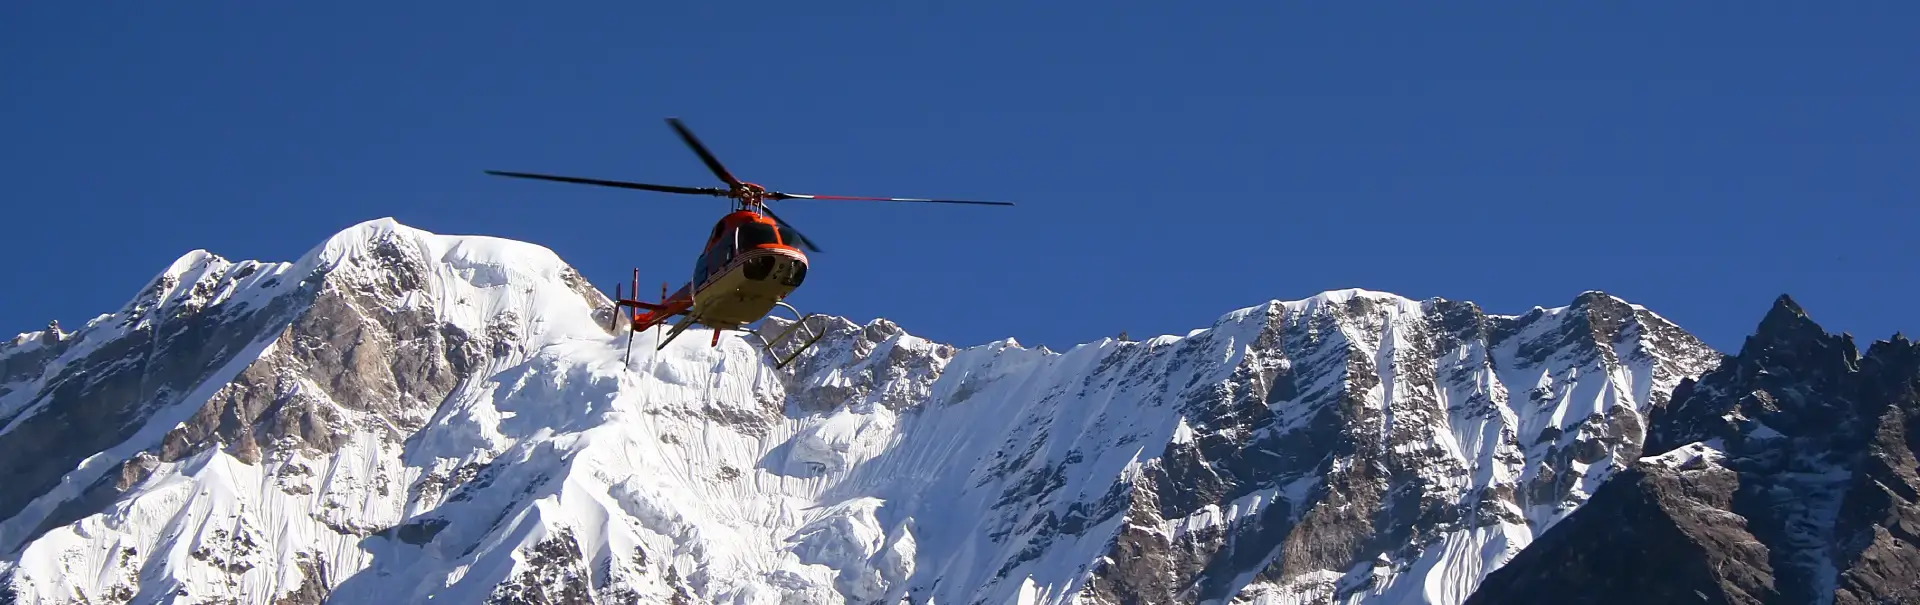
(1786, 475)
(401, 416)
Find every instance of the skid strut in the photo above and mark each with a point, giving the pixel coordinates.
(613, 322)
(809, 333)
(685, 321)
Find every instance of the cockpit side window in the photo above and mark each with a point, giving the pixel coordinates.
(723, 250)
(789, 237)
(752, 235)
(701, 268)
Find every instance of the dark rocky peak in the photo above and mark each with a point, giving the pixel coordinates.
(1788, 340)
(1889, 387)
(1605, 314)
(1891, 354)
(1462, 319)
(1786, 475)
(1788, 377)
(1786, 322)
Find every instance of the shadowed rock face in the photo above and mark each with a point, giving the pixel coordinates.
(104, 385)
(372, 368)
(1787, 475)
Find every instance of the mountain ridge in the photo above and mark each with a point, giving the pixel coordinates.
(1785, 475)
(419, 406)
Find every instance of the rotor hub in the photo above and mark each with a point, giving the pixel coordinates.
(751, 195)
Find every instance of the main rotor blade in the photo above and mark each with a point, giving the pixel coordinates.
(802, 196)
(621, 184)
(713, 163)
(804, 240)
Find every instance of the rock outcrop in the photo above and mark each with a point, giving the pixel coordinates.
(1786, 475)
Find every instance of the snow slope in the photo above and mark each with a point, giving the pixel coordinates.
(406, 416)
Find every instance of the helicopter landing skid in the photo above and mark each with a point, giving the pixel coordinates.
(801, 327)
(682, 326)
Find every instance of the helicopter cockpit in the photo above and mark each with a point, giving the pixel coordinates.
(728, 244)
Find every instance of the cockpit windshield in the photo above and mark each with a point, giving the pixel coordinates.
(752, 235)
(788, 237)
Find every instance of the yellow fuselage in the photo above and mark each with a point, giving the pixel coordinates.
(745, 288)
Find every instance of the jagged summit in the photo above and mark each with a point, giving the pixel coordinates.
(358, 246)
(1785, 322)
(1785, 302)
(1785, 475)
(400, 415)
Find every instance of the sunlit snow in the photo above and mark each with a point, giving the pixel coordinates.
(692, 470)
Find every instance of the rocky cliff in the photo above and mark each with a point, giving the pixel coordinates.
(1785, 475)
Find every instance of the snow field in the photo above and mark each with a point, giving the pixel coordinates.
(885, 465)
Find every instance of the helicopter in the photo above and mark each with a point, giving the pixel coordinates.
(751, 262)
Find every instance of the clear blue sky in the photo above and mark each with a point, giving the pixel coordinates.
(1172, 161)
